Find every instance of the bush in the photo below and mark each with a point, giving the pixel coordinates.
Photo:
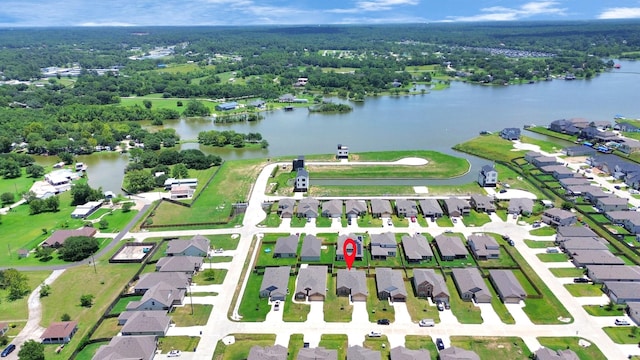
(86, 300)
(65, 317)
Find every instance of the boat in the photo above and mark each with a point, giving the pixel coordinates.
(617, 66)
(288, 108)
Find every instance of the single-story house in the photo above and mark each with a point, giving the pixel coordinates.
(427, 283)
(406, 208)
(84, 210)
(582, 258)
(173, 279)
(181, 192)
(450, 247)
(541, 161)
(196, 246)
(559, 217)
(633, 310)
(530, 155)
(318, 353)
(430, 208)
(621, 292)
(355, 208)
(483, 246)
(628, 146)
(456, 353)
(592, 194)
(519, 206)
(579, 150)
(390, 285)
(488, 176)
(59, 332)
(227, 106)
(286, 247)
(275, 283)
(308, 208)
(312, 283)
(402, 353)
(609, 273)
(126, 315)
(563, 354)
(332, 208)
(147, 323)
(507, 286)
(161, 296)
(383, 245)
(188, 265)
(482, 203)
(612, 203)
(285, 208)
(171, 182)
(416, 248)
(357, 352)
(128, 347)
(471, 285)
(58, 237)
(571, 245)
(352, 283)
(564, 232)
(311, 248)
(359, 246)
(276, 352)
(456, 207)
(381, 208)
(574, 181)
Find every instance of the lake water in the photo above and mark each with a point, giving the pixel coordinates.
(433, 121)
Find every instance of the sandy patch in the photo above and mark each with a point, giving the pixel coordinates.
(515, 193)
(421, 189)
(522, 146)
(412, 161)
(228, 340)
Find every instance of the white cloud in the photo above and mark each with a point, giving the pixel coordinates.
(501, 13)
(620, 13)
(374, 5)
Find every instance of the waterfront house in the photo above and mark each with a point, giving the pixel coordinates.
(510, 133)
(298, 163)
(227, 106)
(564, 126)
(488, 176)
(301, 183)
(342, 152)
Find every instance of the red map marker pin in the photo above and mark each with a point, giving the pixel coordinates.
(349, 257)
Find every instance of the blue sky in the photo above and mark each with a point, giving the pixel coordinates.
(18, 13)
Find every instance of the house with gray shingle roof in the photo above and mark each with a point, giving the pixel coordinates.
(519, 206)
(332, 208)
(621, 292)
(416, 248)
(196, 246)
(428, 283)
(359, 246)
(159, 297)
(483, 246)
(457, 207)
(548, 354)
(276, 352)
(456, 353)
(574, 181)
(629, 219)
(355, 208)
(592, 194)
(390, 285)
(318, 353)
(308, 208)
(430, 208)
(285, 207)
(352, 283)
(482, 203)
(311, 248)
(488, 176)
(128, 347)
(301, 183)
(558, 171)
(188, 265)
(570, 245)
(286, 247)
(510, 133)
(507, 286)
(541, 161)
(406, 208)
(612, 203)
(174, 279)
(470, 285)
(383, 245)
(450, 247)
(358, 352)
(402, 353)
(582, 258)
(275, 283)
(559, 217)
(564, 232)
(601, 273)
(381, 208)
(126, 315)
(312, 283)
(147, 323)
(633, 310)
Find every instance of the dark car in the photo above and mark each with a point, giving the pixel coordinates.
(580, 280)
(384, 322)
(8, 350)
(439, 344)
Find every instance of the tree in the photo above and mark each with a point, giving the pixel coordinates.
(126, 207)
(52, 204)
(35, 171)
(7, 198)
(567, 205)
(196, 108)
(11, 170)
(45, 290)
(65, 317)
(103, 223)
(86, 300)
(82, 193)
(209, 274)
(66, 157)
(180, 171)
(138, 181)
(14, 281)
(147, 104)
(44, 253)
(31, 350)
(36, 206)
(77, 248)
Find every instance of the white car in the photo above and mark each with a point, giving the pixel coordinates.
(622, 322)
(375, 334)
(426, 323)
(174, 353)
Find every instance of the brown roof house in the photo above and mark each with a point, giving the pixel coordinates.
(381, 208)
(508, 287)
(416, 248)
(128, 347)
(59, 332)
(340, 247)
(402, 353)
(147, 323)
(311, 248)
(196, 246)
(482, 203)
(285, 207)
(312, 283)
(383, 245)
(58, 237)
(275, 283)
(318, 353)
(286, 247)
(451, 247)
(548, 354)
(456, 207)
(483, 246)
(277, 352)
(430, 208)
(390, 285)
(355, 208)
(470, 285)
(332, 208)
(188, 265)
(406, 208)
(161, 296)
(428, 283)
(352, 283)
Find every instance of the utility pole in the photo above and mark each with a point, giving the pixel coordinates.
(95, 270)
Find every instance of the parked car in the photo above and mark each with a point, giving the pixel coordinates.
(536, 224)
(8, 350)
(580, 280)
(375, 334)
(218, 251)
(439, 344)
(349, 221)
(389, 222)
(174, 353)
(426, 323)
(552, 250)
(448, 231)
(447, 306)
(384, 322)
(413, 219)
(622, 322)
(454, 220)
(276, 306)
(502, 191)
(511, 242)
(440, 306)
(617, 187)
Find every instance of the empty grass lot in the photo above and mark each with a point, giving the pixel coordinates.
(491, 347)
(557, 257)
(417, 342)
(604, 310)
(336, 342)
(240, 349)
(584, 289)
(182, 343)
(560, 343)
(490, 147)
(226, 242)
(336, 308)
(17, 309)
(191, 316)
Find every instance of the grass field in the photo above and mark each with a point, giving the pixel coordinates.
(558, 257)
(117, 220)
(567, 272)
(378, 309)
(604, 310)
(490, 147)
(546, 146)
(226, 242)
(560, 343)
(182, 343)
(336, 342)
(122, 303)
(17, 309)
(336, 308)
(252, 307)
(188, 316)
(218, 277)
(623, 334)
(417, 342)
(89, 350)
(17, 186)
(243, 343)
(493, 347)
(584, 289)
(535, 244)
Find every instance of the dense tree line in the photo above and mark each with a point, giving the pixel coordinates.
(229, 137)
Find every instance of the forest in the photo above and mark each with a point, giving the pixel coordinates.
(83, 112)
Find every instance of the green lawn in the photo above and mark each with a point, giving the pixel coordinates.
(534, 244)
(493, 347)
(604, 310)
(220, 259)
(294, 312)
(546, 146)
(296, 342)
(584, 289)
(122, 303)
(243, 343)
(378, 309)
(323, 221)
(17, 186)
(543, 231)
(419, 308)
(191, 316)
(218, 277)
(476, 219)
(490, 147)
(335, 341)
(107, 329)
(252, 307)
(380, 344)
(464, 311)
(17, 309)
(227, 242)
(503, 261)
(90, 350)
(444, 221)
(623, 334)
(336, 308)
(560, 343)
(417, 342)
(567, 272)
(265, 257)
(557, 257)
(498, 306)
(117, 220)
(272, 221)
(182, 343)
